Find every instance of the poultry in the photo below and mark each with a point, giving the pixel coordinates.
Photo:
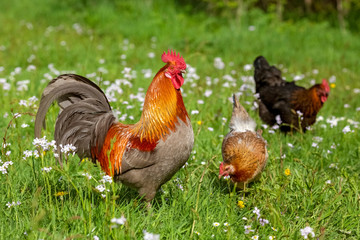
(143, 155)
(243, 149)
(284, 103)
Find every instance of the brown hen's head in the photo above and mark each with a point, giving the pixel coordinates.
(323, 90)
(225, 170)
(176, 67)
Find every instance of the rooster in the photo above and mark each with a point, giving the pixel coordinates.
(143, 155)
(243, 149)
(291, 106)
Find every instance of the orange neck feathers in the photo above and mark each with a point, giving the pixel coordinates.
(162, 107)
(307, 101)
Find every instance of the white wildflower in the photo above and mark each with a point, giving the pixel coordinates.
(306, 231)
(247, 67)
(333, 165)
(208, 93)
(216, 224)
(151, 236)
(248, 229)
(347, 129)
(332, 79)
(119, 221)
(317, 139)
(22, 85)
(87, 175)
(299, 77)
(68, 148)
(36, 153)
(27, 154)
(180, 187)
(193, 112)
(263, 221)
(251, 28)
(218, 63)
(257, 212)
(46, 169)
(100, 188)
(106, 178)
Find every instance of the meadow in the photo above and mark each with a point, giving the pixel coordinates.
(312, 180)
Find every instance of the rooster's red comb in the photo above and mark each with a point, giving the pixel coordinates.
(171, 56)
(326, 85)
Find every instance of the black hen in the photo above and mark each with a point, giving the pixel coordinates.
(285, 103)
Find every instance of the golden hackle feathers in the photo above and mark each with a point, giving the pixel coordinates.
(163, 107)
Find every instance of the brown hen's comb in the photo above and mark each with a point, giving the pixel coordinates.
(172, 57)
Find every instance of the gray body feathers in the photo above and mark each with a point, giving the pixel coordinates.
(85, 114)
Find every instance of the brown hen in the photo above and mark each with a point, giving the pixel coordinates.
(243, 150)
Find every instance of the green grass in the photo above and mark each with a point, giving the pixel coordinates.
(290, 203)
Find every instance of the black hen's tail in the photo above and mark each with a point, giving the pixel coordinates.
(266, 75)
(85, 114)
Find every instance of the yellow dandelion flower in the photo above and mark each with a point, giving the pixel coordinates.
(241, 204)
(287, 172)
(332, 85)
(199, 122)
(60, 194)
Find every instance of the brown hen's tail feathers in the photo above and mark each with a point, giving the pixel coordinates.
(240, 120)
(85, 114)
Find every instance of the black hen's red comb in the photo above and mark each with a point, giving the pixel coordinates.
(172, 57)
(326, 85)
